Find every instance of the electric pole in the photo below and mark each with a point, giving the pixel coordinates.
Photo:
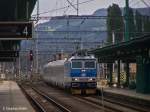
(77, 7)
(36, 39)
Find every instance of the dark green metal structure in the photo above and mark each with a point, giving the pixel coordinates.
(15, 10)
(136, 50)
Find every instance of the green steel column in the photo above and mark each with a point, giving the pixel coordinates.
(118, 73)
(127, 73)
(143, 74)
(110, 73)
(126, 36)
(111, 70)
(139, 73)
(148, 75)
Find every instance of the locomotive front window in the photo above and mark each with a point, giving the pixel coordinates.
(76, 64)
(89, 64)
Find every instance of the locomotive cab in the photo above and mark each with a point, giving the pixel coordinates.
(83, 73)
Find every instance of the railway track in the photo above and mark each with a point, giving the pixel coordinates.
(113, 104)
(77, 103)
(70, 101)
(119, 106)
(43, 102)
(137, 105)
(131, 106)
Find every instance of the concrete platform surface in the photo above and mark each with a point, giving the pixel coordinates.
(12, 99)
(127, 92)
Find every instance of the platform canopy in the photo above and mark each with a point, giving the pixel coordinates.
(14, 19)
(14, 10)
(125, 50)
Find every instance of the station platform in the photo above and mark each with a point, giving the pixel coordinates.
(12, 99)
(127, 92)
(127, 95)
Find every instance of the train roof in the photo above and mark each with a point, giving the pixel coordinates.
(81, 57)
(61, 62)
(55, 63)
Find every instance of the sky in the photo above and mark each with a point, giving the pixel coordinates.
(84, 9)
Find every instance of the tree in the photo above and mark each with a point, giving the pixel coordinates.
(131, 24)
(138, 23)
(146, 24)
(109, 25)
(115, 23)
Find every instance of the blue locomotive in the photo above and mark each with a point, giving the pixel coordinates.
(77, 74)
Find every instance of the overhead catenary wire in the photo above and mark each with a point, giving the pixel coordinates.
(134, 3)
(84, 20)
(61, 8)
(72, 5)
(130, 1)
(68, 7)
(146, 3)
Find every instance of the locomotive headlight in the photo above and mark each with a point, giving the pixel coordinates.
(90, 79)
(75, 79)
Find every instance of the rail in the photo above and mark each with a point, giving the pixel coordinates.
(44, 97)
